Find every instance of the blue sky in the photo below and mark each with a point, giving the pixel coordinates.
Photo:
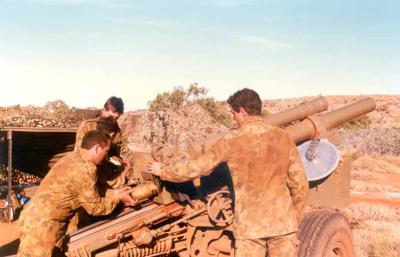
(83, 51)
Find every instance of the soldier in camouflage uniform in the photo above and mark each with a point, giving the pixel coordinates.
(110, 175)
(69, 186)
(114, 107)
(268, 178)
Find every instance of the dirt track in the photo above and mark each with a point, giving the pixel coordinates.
(391, 198)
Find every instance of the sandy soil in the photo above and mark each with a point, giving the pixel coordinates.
(8, 238)
(391, 198)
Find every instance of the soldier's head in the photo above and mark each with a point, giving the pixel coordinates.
(97, 145)
(107, 125)
(244, 102)
(114, 107)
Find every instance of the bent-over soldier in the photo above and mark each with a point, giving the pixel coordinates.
(267, 174)
(68, 187)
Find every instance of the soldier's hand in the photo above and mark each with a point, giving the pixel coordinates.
(154, 168)
(124, 194)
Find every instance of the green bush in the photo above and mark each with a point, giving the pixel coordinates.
(195, 94)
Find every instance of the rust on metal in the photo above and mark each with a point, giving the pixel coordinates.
(10, 167)
(144, 191)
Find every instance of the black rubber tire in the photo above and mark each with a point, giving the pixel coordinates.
(325, 233)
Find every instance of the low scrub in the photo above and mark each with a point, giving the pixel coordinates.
(195, 94)
(359, 123)
(377, 233)
(372, 140)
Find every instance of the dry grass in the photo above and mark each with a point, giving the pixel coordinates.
(360, 186)
(378, 164)
(377, 230)
(377, 239)
(369, 212)
(372, 140)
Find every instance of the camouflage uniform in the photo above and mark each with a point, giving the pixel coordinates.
(106, 169)
(268, 178)
(109, 176)
(91, 124)
(69, 186)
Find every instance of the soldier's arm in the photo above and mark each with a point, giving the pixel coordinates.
(201, 166)
(80, 132)
(116, 145)
(90, 199)
(297, 181)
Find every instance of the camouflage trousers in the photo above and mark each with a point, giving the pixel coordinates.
(278, 246)
(32, 245)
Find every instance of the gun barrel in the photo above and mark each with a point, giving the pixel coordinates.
(312, 126)
(298, 112)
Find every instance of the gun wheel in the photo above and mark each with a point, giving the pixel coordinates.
(325, 234)
(219, 208)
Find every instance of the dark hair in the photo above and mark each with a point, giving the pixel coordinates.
(94, 137)
(248, 99)
(114, 104)
(107, 125)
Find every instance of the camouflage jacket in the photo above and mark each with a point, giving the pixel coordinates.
(91, 124)
(69, 185)
(267, 174)
(109, 177)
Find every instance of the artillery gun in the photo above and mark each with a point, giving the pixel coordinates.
(197, 221)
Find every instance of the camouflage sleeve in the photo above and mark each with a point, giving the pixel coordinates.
(80, 132)
(113, 175)
(297, 181)
(203, 165)
(116, 145)
(90, 199)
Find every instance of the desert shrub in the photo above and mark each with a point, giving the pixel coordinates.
(172, 100)
(193, 95)
(372, 140)
(359, 123)
(265, 113)
(219, 115)
(57, 108)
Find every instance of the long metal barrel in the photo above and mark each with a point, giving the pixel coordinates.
(312, 126)
(299, 112)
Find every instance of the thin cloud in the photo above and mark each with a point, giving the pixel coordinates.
(264, 42)
(148, 22)
(72, 2)
(230, 3)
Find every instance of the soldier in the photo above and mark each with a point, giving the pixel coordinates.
(113, 107)
(268, 179)
(110, 175)
(69, 186)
